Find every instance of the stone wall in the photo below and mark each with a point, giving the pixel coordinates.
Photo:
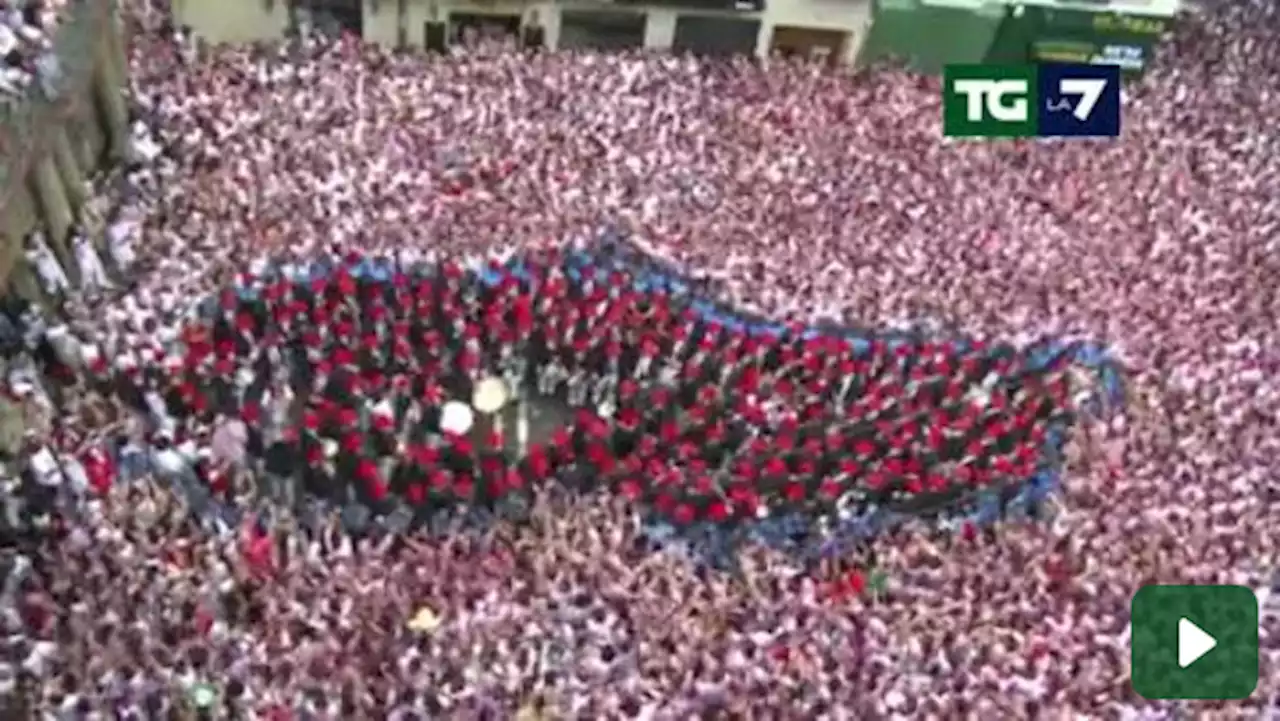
(62, 134)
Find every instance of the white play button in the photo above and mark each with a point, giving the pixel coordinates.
(1192, 643)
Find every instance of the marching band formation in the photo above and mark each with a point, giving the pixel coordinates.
(701, 421)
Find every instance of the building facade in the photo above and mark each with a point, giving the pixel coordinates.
(68, 127)
(928, 34)
(831, 28)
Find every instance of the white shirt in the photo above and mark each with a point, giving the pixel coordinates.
(46, 467)
(65, 345)
(170, 462)
(75, 473)
(8, 40)
(121, 232)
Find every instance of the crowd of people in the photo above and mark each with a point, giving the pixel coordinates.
(354, 370)
(26, 44)
(330, 239)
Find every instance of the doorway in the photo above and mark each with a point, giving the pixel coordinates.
(470, 28)
(330, 17)
(710, 35)
(808, 43)
(601, 30)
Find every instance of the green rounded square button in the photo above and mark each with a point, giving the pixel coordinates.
(1194, 642)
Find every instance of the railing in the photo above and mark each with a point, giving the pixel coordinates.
(49, 98)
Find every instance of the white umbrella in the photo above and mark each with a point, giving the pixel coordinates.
(490, 395)
(456, 418)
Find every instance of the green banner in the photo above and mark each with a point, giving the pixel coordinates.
(1036, 33)
(1107, 24)
(1132, 58)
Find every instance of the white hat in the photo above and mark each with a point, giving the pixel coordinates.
(384, 408)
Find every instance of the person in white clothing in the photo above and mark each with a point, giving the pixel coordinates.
(93, 275)
(46, 472)
(53, 279)
(66, 345)
(13, 79)
(120, 244)
(145, 148)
